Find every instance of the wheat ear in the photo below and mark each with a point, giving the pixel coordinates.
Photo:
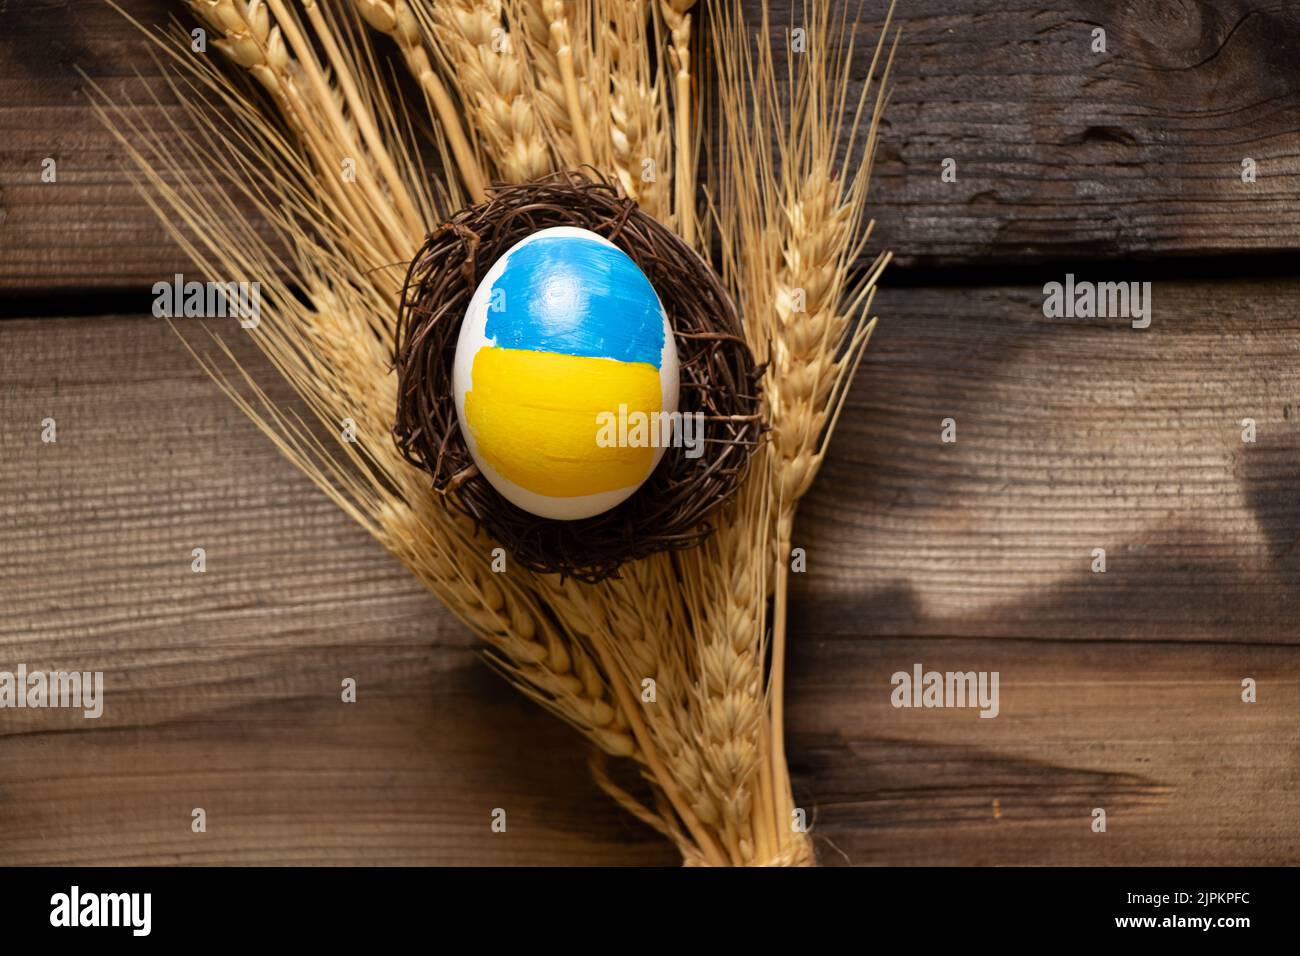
(729, 704)
(638, 110)
(817, 343)
(677, 15)
(251, 40)
(475, 47)
(564, 89)
(638, 629)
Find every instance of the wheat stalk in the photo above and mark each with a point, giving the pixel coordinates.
(639, 121)
(335, 350)
(802, 224)
(677, 15)
(819, 341)
(565, 89)
(477, 50)
(394, 18)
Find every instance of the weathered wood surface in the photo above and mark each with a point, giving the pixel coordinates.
(1118, 690)
(1071, 435)
(1060, 152)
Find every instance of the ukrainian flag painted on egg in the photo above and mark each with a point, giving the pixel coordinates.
(563, 332)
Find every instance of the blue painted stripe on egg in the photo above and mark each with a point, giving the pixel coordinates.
(577, 297)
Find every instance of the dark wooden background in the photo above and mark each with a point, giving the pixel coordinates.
(1118, 690)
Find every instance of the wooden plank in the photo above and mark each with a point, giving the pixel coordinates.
(90, 228)
(1071, 435)
(1060, 152)
(1153, 733)
(1119, 690)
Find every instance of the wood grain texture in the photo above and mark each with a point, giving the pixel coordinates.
(1154, 733)
(1071, 435)
(1060, 152)
(1118, 690)
(1064, 153)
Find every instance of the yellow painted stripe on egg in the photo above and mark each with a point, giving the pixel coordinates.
(534, 419)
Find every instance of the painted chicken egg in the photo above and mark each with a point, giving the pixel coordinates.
(566, 375)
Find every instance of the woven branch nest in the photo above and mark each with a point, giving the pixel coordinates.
(718, 377)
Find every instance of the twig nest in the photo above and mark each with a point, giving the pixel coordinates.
(573, 376)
